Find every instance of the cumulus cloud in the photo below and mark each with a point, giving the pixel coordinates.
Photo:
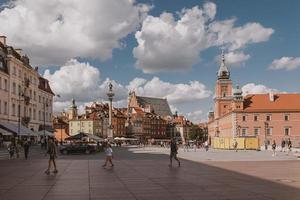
(175, 93)
(167, 44)
(287, 63)
(195, 116)
(75, 79)
(236, 58)
(252, 88)
(82, 81)
(52, 32)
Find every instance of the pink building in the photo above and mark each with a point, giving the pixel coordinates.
(266, 116)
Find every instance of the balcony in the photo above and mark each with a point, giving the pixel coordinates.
(25, 121)
(26, 82)
(26, 100)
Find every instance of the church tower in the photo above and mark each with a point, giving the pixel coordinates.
(72, 110)
(223, 90)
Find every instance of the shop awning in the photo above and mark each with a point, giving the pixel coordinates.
(14, 128)
(5, 132)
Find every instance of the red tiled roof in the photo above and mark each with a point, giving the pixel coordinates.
(282, 102)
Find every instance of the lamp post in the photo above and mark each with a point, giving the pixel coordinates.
(19, 112)
(266, 141)
(45, 104)
(110, 95)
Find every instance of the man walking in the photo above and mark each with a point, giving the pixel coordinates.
(26, 149)
(53, 154)
(283, 145)
(173, 152)
(289, 145)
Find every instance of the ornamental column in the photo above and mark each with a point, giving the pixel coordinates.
(110, 95)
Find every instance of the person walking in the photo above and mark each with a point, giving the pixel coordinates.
(26, 148)
(282, 145)
(235, 145)
(173, 152)
(289, 145)
(206, 145)
(109, 155)
(274, 148)
(52, 151)
(11, 150)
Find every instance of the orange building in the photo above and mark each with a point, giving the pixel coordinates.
(266, 116)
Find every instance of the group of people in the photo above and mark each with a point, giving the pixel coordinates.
(286, 146)
(14, 148)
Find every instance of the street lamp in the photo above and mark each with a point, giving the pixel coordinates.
(266, 141)
(45, 104)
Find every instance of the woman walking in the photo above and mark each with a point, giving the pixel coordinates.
(53, 154)
(109, 155)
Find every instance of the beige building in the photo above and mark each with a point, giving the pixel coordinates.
(25, 96)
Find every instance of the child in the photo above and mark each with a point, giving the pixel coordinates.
(109, 155)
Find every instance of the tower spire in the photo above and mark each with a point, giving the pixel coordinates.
(223, 72)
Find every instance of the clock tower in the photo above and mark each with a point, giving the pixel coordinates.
(223, 90)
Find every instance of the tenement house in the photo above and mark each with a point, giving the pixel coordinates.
(25, 96)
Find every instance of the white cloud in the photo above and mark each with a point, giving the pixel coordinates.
(287, 63)
(167, 44)
(82, 82)
(238, 37)
(52, 32)
(236, 58)
(75, 79)
(195, 116)
(175, 93)
(252, 88)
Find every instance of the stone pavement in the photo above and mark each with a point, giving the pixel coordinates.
(220, 155)
(147, 176)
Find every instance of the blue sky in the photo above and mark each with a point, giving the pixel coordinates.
(261, 53)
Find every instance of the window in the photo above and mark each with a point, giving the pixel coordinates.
(244, 118)
(40, 115)
(13, 110)
(244, 131)
(286, 131)
(224, 91)
(39, 99)
(5, 85)
(0, 83)
(14, 71)
(268, 117)
(256, 131)
(34, 114)
(20, 73)
(269, 131)
(30, 113)
(5, 107)
(255, 118)
(14, 88)
(34, 95)
(286, 117)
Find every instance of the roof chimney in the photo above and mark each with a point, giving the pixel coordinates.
(3, 40)
(271, 96)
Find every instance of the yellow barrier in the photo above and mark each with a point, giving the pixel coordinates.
(243, 143)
